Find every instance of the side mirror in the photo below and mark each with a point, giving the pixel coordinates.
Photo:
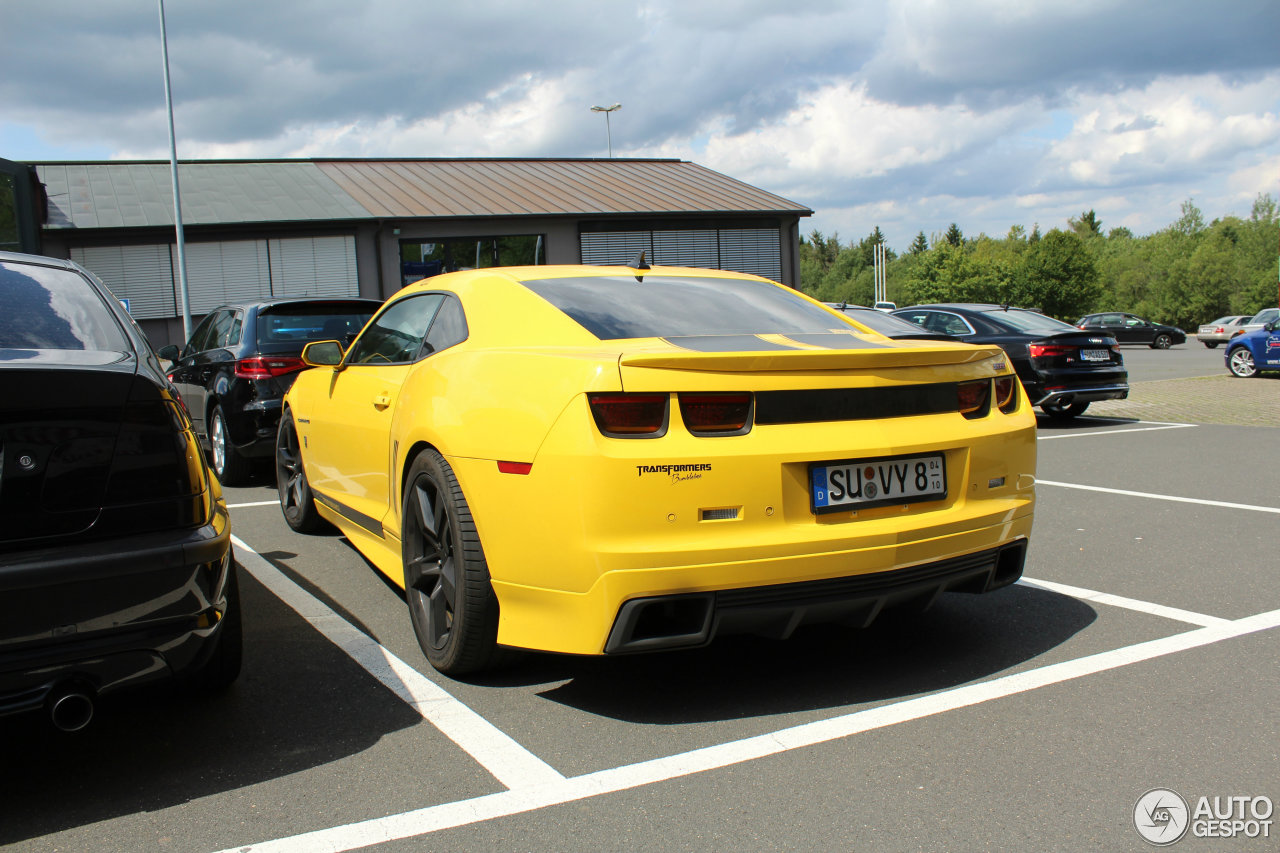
(322, 354)
(1272, 326)
(169, 353)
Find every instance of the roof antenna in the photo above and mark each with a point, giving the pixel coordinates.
(640, 264)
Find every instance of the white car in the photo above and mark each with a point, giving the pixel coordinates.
(885, 306)
(1221, 330)
(1262, 318)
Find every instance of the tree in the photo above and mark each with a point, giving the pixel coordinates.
(919, 245)
(953, 235)
(1061, 276)
(1086, 224)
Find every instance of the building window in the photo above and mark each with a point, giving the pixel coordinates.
(421, 259)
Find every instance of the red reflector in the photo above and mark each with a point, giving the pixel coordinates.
(267, 366)
(722, 413)
(515, 467)
(1048, 350)
(971, 397)
(630, 414)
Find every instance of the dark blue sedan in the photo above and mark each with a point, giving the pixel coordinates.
(1253, 352)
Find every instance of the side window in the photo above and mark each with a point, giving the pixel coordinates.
(953, 324)
(237, 324)
(200, 336)
(396, 335)
(1110, 319)
(1130, 320)
(449, 327)
(221, 328)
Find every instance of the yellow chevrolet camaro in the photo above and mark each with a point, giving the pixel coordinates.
(603, 460)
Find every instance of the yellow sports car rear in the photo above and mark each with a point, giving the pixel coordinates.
(601, 460)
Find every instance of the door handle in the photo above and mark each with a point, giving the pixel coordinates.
(382, 401)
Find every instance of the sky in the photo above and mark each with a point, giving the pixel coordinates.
(906, 115)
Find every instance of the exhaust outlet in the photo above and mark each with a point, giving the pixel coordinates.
(70, 708)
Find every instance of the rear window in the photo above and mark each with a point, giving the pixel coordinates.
(662, 306)
(303, 323)
(1030, 321)
(54, 309)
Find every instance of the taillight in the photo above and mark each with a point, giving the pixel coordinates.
(630, 415)
(1007, 392)
(267, 366)
(1049, 350)
(715, 414)
(973, 398)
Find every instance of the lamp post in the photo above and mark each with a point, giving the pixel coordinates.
(608, 129)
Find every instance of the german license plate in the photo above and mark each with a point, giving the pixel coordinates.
(857, 483)
(1095, 354)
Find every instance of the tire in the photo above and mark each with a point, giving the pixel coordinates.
(1162, 341)
(297, 503)
(446, 579)
(223, 666)
(1240, 363)
(1063, 411)
(1211, 344)
(232, 468)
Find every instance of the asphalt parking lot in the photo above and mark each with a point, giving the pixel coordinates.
(1138, 653)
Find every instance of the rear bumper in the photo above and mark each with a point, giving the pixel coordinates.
(678, 621)
(111, 614)
(1084, 395)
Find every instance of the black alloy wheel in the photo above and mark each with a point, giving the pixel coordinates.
(446, 579)
(223, 666)
(1162, 341)
(1241, 363)
(297, 503)
(232, 468)
(1063, 411)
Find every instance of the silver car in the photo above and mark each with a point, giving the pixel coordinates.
(1221, 330)
(1262, 318)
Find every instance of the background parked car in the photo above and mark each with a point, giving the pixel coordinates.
(1261, 319)
(1132, 329)
(240, 361)
(1221, 330)
(1253, 352)
(1063, 368)
(885, 323)
(115, 544)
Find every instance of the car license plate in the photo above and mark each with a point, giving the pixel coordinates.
(856, 483)
(1095, 354)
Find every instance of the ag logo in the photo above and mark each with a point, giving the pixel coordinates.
(1161, 816)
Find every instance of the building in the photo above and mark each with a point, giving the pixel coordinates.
(256, 229)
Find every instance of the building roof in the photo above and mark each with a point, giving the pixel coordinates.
(122, 194)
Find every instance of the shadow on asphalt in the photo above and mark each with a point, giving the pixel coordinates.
(962, 639)
(300, 703)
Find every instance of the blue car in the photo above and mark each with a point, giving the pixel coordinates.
(1249, 354)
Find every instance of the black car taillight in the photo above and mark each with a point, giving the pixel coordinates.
(157, 477)
(1007, 393)
(267, 366)
(630, 415)
(974, 398)
(716, 414)
(1049, 350)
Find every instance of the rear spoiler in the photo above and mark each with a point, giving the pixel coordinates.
(812, 359)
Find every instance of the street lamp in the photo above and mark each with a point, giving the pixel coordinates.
(607, 128)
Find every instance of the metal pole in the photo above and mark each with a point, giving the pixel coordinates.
(177, 203)
(608, 129)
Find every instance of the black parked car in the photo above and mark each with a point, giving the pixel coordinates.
(241, 359)
(1063, 368)
(1131, 329)
(115, 544)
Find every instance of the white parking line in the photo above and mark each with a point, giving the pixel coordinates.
(1174, 613)
(255, 503)
(553, 793)
(508, 761)
(1157, 497)
(1156, 426)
